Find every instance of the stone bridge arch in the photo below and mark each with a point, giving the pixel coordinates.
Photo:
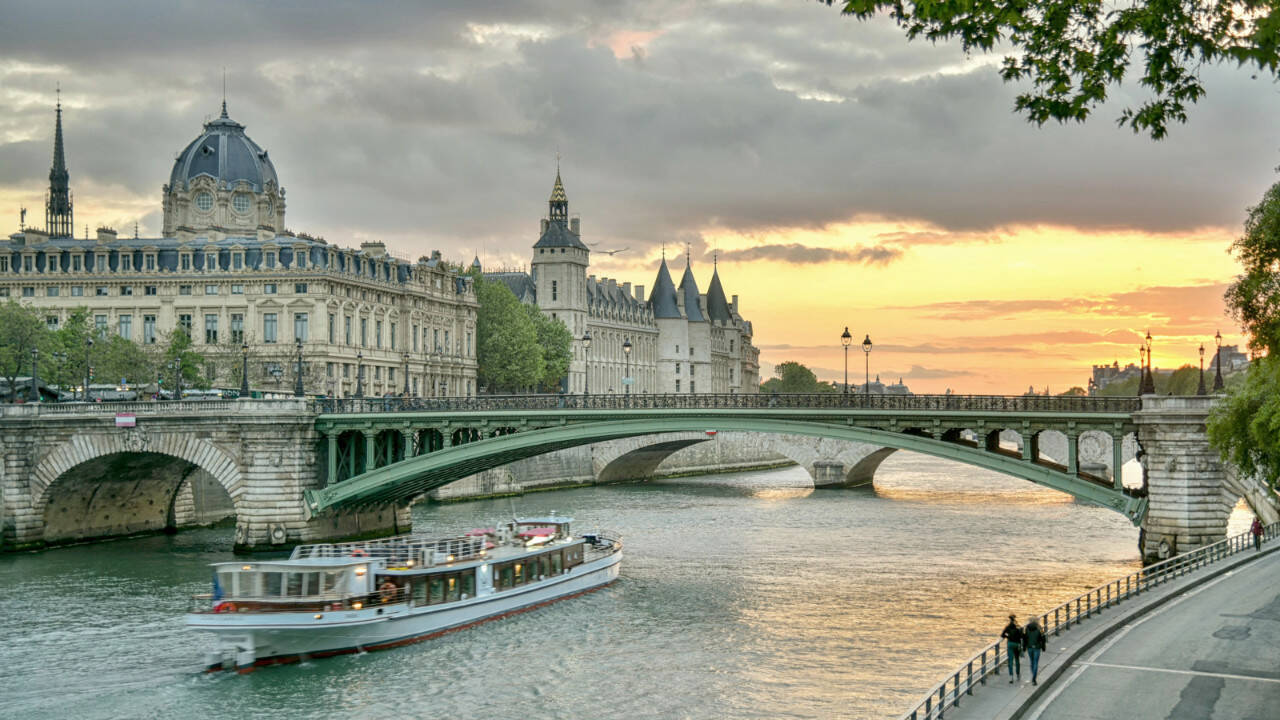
(149, 488)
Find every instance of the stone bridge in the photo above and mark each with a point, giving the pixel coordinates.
(299, 471)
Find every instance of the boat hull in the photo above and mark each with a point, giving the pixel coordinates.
(249, 640)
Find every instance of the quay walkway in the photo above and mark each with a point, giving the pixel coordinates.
(1203, 646)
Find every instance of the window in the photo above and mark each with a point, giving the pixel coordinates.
(151, 261)
(237, 261)
(690, 351)
(300, 326)
(554, 290)
(4, 264)
(237, 328)
(51, 322)
(447, 347)
(677, 368)
(691, 387)
(333, 321)
(300, 258)
(328, 370)
(413, 336)
(692, 367)
(237, 289)
(730, 346)
(269, 289)
(347, 322)
(346, 371)
(730, 374)
(126, 326)
(4, 292)
(391, 373)
(28, 292)
(468, 348)
(210, 289)
(677, 386)
(100, 324)
(184, 289)
(185, 261)
(435, 339)
(101, 291)
(126, 290)
(51, 292)
(102, 262)
(204, 201)
(126, 261)
(377, 372)
(148, 329)
(184, 324)
(364, 332)
(240, 202)
(269, 328)
(77, 291)
(299, 288)
(28, 263)
(377, 334)
(270, 259)
(393, 336)
(75, 263)
(149, 289)
(210, 329)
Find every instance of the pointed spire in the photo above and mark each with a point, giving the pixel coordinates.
(58, 217)
(662, 299)
(559, 204)
(224, 94)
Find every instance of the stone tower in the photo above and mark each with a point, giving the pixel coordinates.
(559, 271)
(58, 218)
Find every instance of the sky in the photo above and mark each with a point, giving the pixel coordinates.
(839, 174)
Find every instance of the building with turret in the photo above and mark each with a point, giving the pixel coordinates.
(676, 340)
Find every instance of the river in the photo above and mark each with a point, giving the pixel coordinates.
(741, 596)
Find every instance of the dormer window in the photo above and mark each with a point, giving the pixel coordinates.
(270, 259)
(300, 258)
(185, 261)
(28, 263)
(150, 259)
(126, 262)
(102, 262)
(237, 261)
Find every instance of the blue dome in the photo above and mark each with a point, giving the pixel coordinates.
(226, 154)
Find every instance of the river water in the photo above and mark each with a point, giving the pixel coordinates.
(741, 596)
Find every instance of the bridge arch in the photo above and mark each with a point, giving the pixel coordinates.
(417, 475)
(136, 476)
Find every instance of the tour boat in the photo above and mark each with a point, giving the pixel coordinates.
(334, 598)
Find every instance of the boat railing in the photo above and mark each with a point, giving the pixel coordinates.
(205, 604)
(602, 542)
(962, 681)
(402, 550)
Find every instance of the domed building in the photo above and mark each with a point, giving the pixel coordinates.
(223, 183)
(227, 273)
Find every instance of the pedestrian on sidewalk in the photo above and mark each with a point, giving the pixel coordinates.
(1012, 634)
(1256, 529)
(1033, 636)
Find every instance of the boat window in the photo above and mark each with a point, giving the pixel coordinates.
(330, 580)
(436, 594)
(520, 574)
(420, 591)
(293, 584)
(573, 556)
(226, 583)
(544, 566)
(311, 583)
(468, 584)
(271, 588)
(451, 588)
(506, 577)
(557, 563)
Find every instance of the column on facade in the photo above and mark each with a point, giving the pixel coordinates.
(1117, 458)
(370, 457)
(332, 441)
(1028, 446)
(409, 450)
(1073, 447)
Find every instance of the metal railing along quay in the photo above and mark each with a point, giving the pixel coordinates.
(974, 672)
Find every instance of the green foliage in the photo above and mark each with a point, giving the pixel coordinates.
(1073, 51)
(792, 377)
(1074, 392)
(557, 346)
(1254, 298)
(1183, 381)
(21, 330)
(116, 359)
(508, 357)
(177, 346)
(1245, 426)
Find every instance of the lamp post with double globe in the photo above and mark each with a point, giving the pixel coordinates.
(845, 340)
(866, 351)
(1150, 387)
(1218, 384)
(626, 353)
(586, 363)
(1200, 388)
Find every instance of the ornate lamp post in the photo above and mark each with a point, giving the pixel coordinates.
(35, 376)
(61, 359)
(866, 351)
(626, 353)
(1150, 387)
(359, 374)
(176, 365)
(1142, 369)
(297, 378)
(586, 363)
(87, 369)
(405, 357)
(1218, 384)
(244, 370)
(1200, 389)
(845, 339)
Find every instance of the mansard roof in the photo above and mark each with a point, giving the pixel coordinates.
(662, 299)
(519, 283)
(689, 288)
(559, 235)
(717, 305)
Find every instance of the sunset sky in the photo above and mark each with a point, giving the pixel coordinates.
(841, 174)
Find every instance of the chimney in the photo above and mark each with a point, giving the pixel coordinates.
(374, 249)
(106, 234)
(575, 224)
(640, 293)
(626, 288)
(734, 304)
(544, 226)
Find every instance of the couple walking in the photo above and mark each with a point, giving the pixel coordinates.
(1031, 639)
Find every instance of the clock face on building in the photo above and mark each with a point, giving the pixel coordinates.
(241, 203)
(204, 201)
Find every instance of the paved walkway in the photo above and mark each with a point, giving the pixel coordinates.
(1203, 647)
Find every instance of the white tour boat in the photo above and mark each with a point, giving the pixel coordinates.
(334, 598)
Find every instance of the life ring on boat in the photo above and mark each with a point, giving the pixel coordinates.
(224, 607)
(358, 552)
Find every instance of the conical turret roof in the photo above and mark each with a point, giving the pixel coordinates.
(662, 299)
(689, 288)
(717, 305)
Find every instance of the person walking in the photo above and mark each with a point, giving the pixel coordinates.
(1012, 634)
(1256, 529)
(1034, 639)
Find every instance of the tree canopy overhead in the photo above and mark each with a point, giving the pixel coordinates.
(1254, 298)
(1073, 51)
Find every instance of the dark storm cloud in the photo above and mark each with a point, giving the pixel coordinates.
(798, 254)
(440, 122)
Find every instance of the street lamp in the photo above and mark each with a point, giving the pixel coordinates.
(1218, 384)
(1142, 369)
(176, 365)
(866, 351)
(1200, 389)
(88, 346)
(61, 359)
(359, 374)
(586, 367)
(1150, 387)
(35, 376)
(626, 352)
(297, 380)
(405, 357)
(845, 339)
(244, 370)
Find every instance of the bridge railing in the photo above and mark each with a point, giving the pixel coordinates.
(987, 662)
(158, 407)
(805, 401)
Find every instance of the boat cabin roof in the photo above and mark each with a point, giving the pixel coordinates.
(284, 565)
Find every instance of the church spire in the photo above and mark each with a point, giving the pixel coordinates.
(58, 217)
(559, 204)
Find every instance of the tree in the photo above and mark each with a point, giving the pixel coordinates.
(118, 360)
(1075, 391)
(556, 342)
(1254, 298)
(1245, 426)
(507, 354)
(21, 331)
(1072, 51)
(792, 377)
(177, 345)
